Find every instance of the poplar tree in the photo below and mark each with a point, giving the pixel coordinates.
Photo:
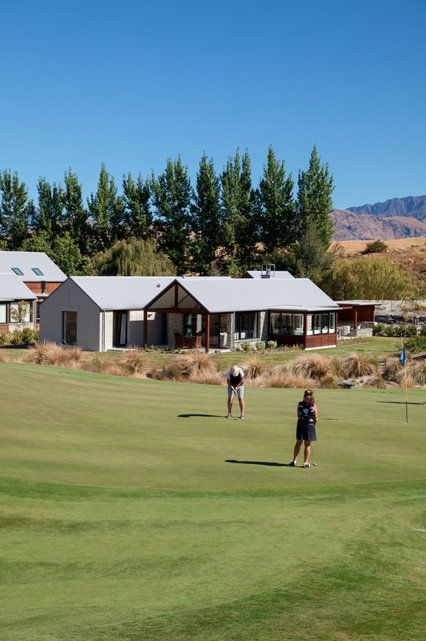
(207, 228)
(138, 217)
(16, 210)
(276, 206)
(49, 214)
(172, 196)
(75, 215)
(106, 211)
(240, 232)
(314, 202)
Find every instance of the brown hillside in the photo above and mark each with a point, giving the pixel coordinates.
(409, 253)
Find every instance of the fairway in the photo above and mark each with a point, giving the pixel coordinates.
(132, 510)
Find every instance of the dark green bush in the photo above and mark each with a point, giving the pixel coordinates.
(416, 344)
(375, 247)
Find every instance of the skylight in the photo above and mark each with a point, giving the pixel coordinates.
(37, 271)
(17, 271)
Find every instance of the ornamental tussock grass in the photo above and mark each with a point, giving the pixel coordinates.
(356, 365)
(313, 366)
(372, 382)
(254, 367)
(48, 353)
(134, 361)
(418, 373)
(290, 379)
(392, 371)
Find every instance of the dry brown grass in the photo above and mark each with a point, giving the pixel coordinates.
(133, 361)
(54, 355)
(313, 366)
(356, 365)
(254, 367)
(418, 373)
(286, 378)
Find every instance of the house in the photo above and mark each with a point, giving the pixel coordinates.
(290, 311)
(12, 315)
(99, 313)
(36, 270)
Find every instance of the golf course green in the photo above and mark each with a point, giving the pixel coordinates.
(132, 510)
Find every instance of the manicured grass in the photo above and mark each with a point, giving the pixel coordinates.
(131, 510)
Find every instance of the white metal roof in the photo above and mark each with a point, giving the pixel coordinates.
(247, 294)
(31, 264)
(122, 292)
(12, 288)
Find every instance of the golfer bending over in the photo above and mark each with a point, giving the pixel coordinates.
(307, 417)
(235, 380)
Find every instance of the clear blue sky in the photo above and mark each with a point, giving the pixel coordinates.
(130, 83)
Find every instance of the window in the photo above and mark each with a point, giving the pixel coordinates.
(246, 325)
(192, 324)
(17, 271)
(324, 323)
(2, 312)
(69, 331)
(284, 323)
(37, 271)
(20, 312)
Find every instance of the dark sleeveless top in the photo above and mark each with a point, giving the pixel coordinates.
(306, 413)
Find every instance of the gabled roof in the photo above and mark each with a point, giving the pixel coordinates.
(32, 267)
(12, 288)
(244, 294)
(121, 292)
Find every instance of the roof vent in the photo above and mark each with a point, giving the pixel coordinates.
(268, 271)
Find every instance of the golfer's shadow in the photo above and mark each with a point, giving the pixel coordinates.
(268, 463)
(200, 415)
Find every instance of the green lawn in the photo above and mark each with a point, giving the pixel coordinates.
(131, 510)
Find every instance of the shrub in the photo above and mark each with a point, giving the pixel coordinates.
(245, 346)
(52, 354)
(260, 346)
(375, 247)
(272, 344)
(27, 335)
(416, 344)
(16, 337)
(378, 330)
(4, 339)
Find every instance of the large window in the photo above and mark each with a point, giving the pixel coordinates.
(21, 312)
(2, 312)
(69, 335)
(246, 325)
(192, 324)
(284, 323)
(324, 323)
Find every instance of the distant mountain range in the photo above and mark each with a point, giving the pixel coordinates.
(395, 218)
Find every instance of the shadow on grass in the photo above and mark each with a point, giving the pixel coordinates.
(202, 415)
(402, 402)
(270, 463)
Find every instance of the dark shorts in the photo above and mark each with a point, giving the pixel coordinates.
(305, 432)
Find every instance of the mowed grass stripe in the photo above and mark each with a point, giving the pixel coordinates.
(122, 516)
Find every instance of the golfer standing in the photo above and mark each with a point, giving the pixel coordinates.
(307, 418)
(235, 380)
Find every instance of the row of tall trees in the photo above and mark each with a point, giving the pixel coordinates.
(222, 225)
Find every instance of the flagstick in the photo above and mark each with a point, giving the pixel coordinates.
(406, 393)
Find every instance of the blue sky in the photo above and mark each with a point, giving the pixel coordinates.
(130, 83)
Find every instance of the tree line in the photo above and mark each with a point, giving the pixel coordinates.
(223, 225)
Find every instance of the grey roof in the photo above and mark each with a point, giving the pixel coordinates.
(12, 288)
(274, 274)
(358, 303)
(122, 292)
(246, 294)
(27, 262)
